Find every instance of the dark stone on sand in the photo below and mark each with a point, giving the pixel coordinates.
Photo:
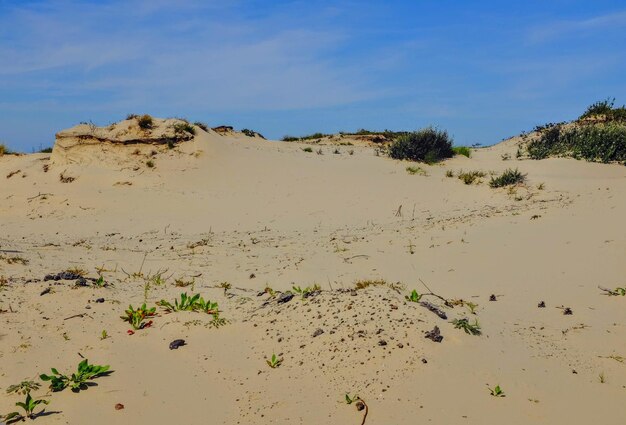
(174, 345)
(318, 332)
(542, 304)
(285, 297)
(434, 335)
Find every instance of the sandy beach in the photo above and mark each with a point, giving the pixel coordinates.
(242, 221)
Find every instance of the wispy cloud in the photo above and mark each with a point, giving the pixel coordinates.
(554, 30)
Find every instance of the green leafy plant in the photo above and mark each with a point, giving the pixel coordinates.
(104, 335)
(469, 328)
(307, 149)
(186, 303)
(77, 381)
(306, 292)
(150, 163)
(23, 387)
(496, 391)
(28, 405)
(414, 297)
(449, 173)
(620, 291)
(100, 283)
(136, 317)
(471, 306)
(274, 361)
(508, 178)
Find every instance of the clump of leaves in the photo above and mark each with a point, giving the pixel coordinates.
(449, 173)
(471, 306)
(77, 381)
(191, 303)
(620, 291)
(23, 387)
(414, 296)
(225, 286)
(469, 328)
(508, 178)
(470, 177)
(136, 317)
(28, 405)
(274, 361)
(145, 122)
(150, 163)
(100, 283)
(306, 292)
(307, 149)
(496, 391)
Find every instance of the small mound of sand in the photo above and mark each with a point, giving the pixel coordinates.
(88, 143)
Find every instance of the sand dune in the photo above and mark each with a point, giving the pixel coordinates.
(222, 207)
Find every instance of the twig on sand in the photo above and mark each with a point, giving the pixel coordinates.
(38, 195)
(347, 259)
(77, 315)
(608, 291)
(360, 405)
(445, 301)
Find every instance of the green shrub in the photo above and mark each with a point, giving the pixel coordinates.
(416, 170)
(290, 139)
(184, 127)
(599, 142)
(3, 149)
(508, 178)
(428, 145)
(45, 150)
(605, 108)
(307, 149)
(462, 150)
(145, 122)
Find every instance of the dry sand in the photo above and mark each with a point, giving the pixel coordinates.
(256, 213)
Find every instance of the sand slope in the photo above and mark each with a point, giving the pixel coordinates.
(259, 213)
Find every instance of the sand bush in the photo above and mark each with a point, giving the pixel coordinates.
(428, 145)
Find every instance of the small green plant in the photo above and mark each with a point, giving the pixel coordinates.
(274, 361)
(104, 335)
(100, 283)
(150, 163)
(307, 149)
(145, 122)
(191, 303)
(306, 292)
(496, 391)
(416, 170)
(469, 328)
(470, 177)
(620, 291)
(471, 306)
(359, 403)
(268, 290)
(225, 286)
(462, 150)
(602, 378)
(136, 317)
(449, 173)
(509, 177)
(23, 387)
(29, 405)
(77, 381)
(414, 296)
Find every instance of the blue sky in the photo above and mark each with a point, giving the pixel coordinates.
(482, 70)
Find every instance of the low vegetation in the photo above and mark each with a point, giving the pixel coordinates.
(184, 128)
(274, 361)
(416, 170)
(509, 177)
(428, 145)
(137, 317)
(462, 150)
(599, 135)
(79, 380)
(469, 328)
(470, 177)
(145, 122)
